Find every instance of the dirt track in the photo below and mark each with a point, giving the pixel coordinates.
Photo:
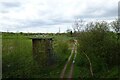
(73, 51)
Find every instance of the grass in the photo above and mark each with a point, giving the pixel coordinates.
(18, 59)
(16, 55)
(76, 73)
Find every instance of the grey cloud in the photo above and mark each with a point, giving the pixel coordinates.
(6, 7)
(61, 20)
(108, 12)
(111, 12)
(4, 11)
(42, 23)
(10, 4)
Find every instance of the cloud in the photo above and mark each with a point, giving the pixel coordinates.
(34, 14)
(103, 13)
(10, 4)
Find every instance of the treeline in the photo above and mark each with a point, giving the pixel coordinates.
(99, 49)
(30, 34)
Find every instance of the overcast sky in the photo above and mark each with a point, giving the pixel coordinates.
(49, 15)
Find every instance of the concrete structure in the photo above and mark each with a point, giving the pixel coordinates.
(42, 50)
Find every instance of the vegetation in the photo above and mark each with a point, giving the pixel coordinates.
(18, 60)
(97, 52)
(102, 47)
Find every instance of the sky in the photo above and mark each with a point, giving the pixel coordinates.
(46, 16)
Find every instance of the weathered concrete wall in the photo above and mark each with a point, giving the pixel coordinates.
(42, 50)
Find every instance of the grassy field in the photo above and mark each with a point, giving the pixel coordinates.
(18, 62)
(18, 59)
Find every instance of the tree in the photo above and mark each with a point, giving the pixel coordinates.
(69, 31)
(78, 25)
(116, 27)
(93, 43)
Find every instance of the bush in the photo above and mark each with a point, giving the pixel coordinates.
(100, 46)
(62, 51)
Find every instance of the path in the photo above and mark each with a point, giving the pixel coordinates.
(72, 65)
(64, 69)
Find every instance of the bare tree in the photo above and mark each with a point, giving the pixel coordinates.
(78, 25)
(116, 26)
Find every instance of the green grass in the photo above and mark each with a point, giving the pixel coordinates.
(76, 73)
(18, 60)
(16, 55)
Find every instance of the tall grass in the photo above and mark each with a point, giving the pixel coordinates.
(18, 58)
